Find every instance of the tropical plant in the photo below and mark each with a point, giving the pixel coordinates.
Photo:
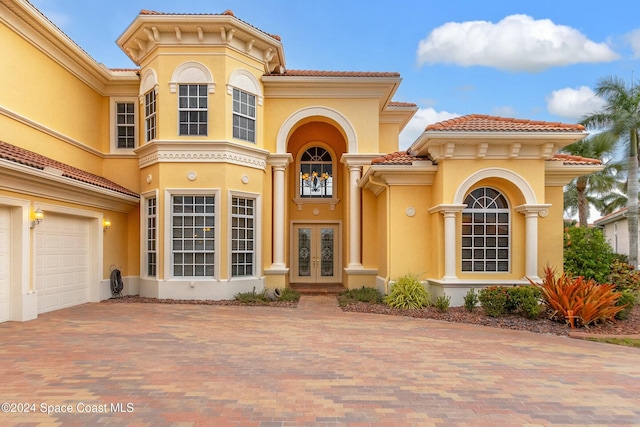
(621, 117)
(408, 293)
(578, 301)
(588, 190)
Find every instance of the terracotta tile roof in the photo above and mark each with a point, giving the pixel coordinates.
(320, 73)
(615, 214)
(485, 123)
(226, 12)
(404, 158)
(399, 158)
(569, 159)
(125, 70)
(402, 104)
(29, 158)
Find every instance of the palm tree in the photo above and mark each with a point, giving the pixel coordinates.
(591, 190)
(621, 116)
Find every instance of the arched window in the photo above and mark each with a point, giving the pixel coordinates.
(316, 173)
(486, 232)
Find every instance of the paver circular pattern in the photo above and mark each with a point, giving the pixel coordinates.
(183, 365)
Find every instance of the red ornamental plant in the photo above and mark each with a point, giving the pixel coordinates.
(577, 301)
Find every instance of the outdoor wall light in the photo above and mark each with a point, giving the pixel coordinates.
(106, 224)
(38, 216)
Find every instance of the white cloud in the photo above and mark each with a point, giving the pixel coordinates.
(422, 118)
(633, 38)
(574, 103)
(516, 43)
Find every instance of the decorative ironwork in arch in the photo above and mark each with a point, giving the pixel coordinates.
(316, 173)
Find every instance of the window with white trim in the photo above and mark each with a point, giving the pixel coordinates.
(243, 235)
(193, 235)
(125, 125)
(486, 232)
(244, 115)
(152, 227)
(192, 109)
(150, 115)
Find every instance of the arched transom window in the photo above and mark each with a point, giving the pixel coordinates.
(485, 231)
(316, 173)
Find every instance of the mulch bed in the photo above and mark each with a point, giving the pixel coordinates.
(455, 314)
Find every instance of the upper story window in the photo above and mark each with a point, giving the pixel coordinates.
(125, 125)
(192, 109)
(124, 133)
(486, 232)
(244, 115)
(150, 115)
(316, 174)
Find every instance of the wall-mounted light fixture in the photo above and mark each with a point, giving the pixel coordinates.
(106, 224)
(38, 216)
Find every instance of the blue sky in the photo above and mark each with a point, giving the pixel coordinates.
(535, 60)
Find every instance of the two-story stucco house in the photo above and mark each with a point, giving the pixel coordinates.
(211, 169)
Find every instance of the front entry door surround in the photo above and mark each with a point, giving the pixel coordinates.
(316, 253)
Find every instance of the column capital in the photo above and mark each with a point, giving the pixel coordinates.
(279, 160)
(445, 209)
(359, 160)
(533, 210)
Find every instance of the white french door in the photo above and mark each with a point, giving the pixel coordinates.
(315, 254)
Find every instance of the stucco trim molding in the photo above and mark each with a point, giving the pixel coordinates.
(201, 152)
(517, 180)
(336, 116)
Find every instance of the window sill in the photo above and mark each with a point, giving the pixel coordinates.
(302, 201)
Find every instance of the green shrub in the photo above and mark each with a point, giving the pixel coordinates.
(289, 295)
(408, 293)
(363, 294)
(470, 299)
(442, 303)
(628, 299)
(525, 300)
(624, 276)
(587, 254)
(494, 300)
(251, 297)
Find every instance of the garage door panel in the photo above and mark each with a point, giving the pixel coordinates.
(62, 262)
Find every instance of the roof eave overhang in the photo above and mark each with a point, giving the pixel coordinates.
(558, 173)
(29, 180)
(142, 35)
(378, 177)
(32, 26)
(495, 145)
(381, 88)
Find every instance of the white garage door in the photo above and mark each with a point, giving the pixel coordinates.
(62, 262)
(5, 244)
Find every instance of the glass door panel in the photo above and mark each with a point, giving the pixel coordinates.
(315, 254)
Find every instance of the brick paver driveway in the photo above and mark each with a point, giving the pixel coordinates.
(155, 365)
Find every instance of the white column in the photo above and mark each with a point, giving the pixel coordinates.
(355, 226)
(531, 213)
(279, 164)
(450, 213)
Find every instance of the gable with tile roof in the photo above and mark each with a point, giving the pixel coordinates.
(210, 169)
